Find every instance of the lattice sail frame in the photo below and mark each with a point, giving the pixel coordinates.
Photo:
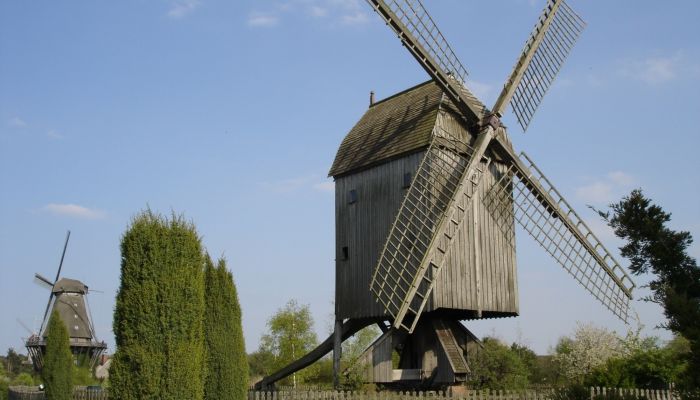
(550, 43)
(421, 25)
(551, 40)
(423, 39)
(425, 225)
(515, 196)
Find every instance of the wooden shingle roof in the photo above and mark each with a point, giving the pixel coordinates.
(393, 127)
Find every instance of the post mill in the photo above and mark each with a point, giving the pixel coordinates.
(428, 189)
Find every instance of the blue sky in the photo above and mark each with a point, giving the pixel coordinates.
(231, 113)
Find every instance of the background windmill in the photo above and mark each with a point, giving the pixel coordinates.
(428, 189)
(69, 298)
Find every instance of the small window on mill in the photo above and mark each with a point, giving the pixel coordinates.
(406, 180)
(345, 253)
(352, 196)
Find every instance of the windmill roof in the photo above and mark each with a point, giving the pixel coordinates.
(398, 125)
(69, 286)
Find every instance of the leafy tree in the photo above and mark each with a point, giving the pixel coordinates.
(23, 379)
(260, 364)
(652, 247)
(159, 314)
(590, 348)
(14, 362)
(58, 361)
(290, 336)
(497, 366)
(649, 366)
(227, 367)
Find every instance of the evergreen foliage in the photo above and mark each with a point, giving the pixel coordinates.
(58, 361)
(652, 247)
(226, 360)
(158, 319)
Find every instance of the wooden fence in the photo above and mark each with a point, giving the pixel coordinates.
(85, 393)
(33, 393)
(544, 394)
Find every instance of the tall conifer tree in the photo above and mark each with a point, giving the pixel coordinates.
(227, 365)
(158, 320)
(58, 361)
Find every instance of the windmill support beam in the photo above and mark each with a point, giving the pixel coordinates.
(337, 351)
(347, 329)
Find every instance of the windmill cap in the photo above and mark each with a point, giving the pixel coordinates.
(66, 285)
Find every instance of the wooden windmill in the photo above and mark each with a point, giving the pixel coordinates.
(69, 298)
(428, 190)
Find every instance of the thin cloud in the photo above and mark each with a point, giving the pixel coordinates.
(260, 20)
(16, 122)
(337, 12)
(311, 182)
(182, 8)
(54, 135)
(481, 90)
(621, 178)
(606, 189)
(654, 70)
(318, 12)
(328, 186)
(356, 18)
(73, 210)
(596, 192)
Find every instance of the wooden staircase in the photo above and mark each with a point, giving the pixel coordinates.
(454, 353)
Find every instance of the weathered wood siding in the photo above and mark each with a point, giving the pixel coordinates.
(490, 285)
(464, 284)
(362, 227)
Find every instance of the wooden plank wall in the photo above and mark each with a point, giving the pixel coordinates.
(496, 276)
(363, 228)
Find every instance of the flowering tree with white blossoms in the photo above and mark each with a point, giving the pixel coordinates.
(590, 347)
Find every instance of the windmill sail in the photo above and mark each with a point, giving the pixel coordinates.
(426, 225)
(525, 194)
(545, 51)
(420, 35)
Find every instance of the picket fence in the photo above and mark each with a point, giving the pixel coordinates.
(596, 393)
(33, 393)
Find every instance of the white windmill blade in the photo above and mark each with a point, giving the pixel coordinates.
(419, 34)
(525, 194)
(26, 328)
(549, 44)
